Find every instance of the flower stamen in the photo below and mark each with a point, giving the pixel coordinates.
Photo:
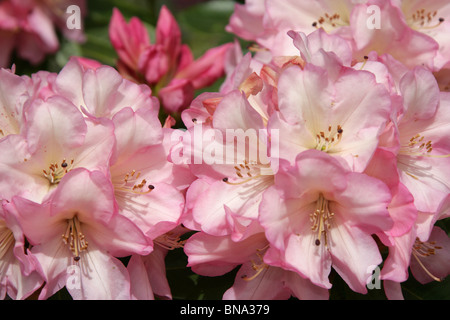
(246, 172)
(422, 19)
(74, 238)
(131, 184)
(419, 147)
(56, 172)
(333, 21)
(423, 250)
(258, 267)
(320, 220)
(6, 240)
(328, 139)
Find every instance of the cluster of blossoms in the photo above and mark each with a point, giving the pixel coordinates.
(28, 28)
(339, 157)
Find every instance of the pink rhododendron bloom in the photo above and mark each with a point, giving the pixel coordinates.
(14, 94)
(237, 174)
(255, 280)
(78, 225)
(101, 92)
(402, 210)
(29, 27)
(319, 215)
(431, 18)
(167, 65)
(320, 110)
(424, 250)
(423, 127)
(141, 175)
(56, 139)
(148, 272)
(413, 32)
(18, 275)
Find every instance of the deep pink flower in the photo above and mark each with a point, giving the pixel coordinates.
(167, 65)
(29, 27)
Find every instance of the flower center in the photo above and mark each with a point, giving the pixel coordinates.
(248, 171)
(258, 266)
(327, 139)
(131, 184)
(56, 172)
(416, 147)
(423, 19)
(320, 220)
(423, 250)
(330, 21)
(170, 241)
(6, 240)
(74, 238)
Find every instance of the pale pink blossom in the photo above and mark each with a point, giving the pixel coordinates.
(14, 94)
(255, 280)
(413, 32)
(423, 127)
(100, 91)
(145, 183)
(55, 140)
(319, 109)
(319, 215)
(19, 271)
(424, 250)
(78, 225)
(237, 175)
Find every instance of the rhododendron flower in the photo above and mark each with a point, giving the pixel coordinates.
(167, 65)
(413, 32)
(14, 94)
(57, 139)
(424, 250)
(319, 215)
(238, 173)
(319, 110)
(255, 280)
(101, 92)
(29, 28)
(79, 225)
(423, 127)
(142, 176)
(18, 275)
